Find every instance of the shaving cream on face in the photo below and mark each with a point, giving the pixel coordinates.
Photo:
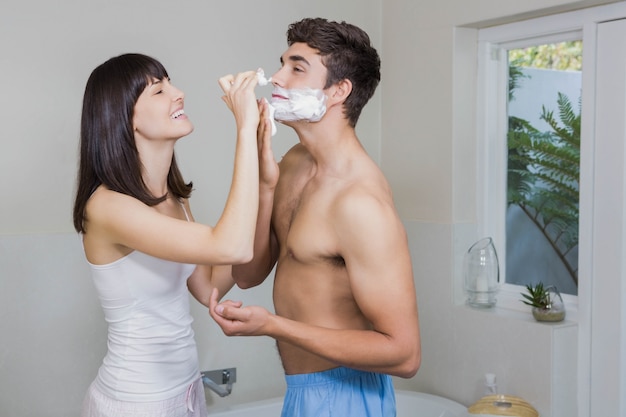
(293, 105)
(304, 104)
(260, 76)
(262, 81)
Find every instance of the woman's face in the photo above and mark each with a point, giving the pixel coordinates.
(159, 113)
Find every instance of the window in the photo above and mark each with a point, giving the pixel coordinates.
(530, 158)
(543, 164)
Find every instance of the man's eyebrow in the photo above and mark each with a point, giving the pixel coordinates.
(296, 58)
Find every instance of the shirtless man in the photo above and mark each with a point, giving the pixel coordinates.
(346, 312)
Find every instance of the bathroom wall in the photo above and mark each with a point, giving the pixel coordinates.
(53, 334)
(428, 147)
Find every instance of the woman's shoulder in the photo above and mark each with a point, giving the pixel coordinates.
(104, 195)
(104, 202)
(102, 220)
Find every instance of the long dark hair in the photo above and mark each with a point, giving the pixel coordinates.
(108, 154)
(347, 53)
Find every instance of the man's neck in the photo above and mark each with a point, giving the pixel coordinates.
(330, 145)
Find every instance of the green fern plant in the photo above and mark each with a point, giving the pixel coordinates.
(543, 176)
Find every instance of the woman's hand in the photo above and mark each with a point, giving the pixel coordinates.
(236, 320)
(240, 98)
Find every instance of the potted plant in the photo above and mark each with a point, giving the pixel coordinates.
(546, 302)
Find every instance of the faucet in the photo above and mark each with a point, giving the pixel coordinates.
(220, 381)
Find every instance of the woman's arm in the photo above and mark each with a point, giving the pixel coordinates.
(254, 272)
(119, 222)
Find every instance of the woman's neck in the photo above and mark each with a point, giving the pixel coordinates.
(156, 162)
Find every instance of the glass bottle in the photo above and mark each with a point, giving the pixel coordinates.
(481, 274)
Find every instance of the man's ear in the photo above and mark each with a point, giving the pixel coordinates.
(341, 91)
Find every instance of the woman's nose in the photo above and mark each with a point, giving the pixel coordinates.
(178, 94)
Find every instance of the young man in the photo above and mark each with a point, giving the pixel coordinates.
(346, 311)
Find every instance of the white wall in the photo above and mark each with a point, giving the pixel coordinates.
(52, 329)
(50, 48)
(53, 335)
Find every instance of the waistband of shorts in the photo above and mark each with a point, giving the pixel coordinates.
(323, 377)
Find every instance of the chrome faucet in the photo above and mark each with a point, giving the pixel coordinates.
(220, 381)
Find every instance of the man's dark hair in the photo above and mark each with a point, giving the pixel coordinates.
(347, 53)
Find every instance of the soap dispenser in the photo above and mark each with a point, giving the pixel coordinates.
(490, 384)
(494, 404)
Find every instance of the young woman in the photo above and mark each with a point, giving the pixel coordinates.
(143, 247)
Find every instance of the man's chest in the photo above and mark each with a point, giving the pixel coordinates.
(303, 222)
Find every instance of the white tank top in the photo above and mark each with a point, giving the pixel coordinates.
(152, 353)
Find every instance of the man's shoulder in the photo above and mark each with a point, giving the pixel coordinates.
(366, 181)
(296, 151)
(367, 195)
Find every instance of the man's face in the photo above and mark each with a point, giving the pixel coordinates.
(301, 67)
(298, 94)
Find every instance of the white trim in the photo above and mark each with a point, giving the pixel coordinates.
(509, 297)
(608, 286)
(554, 24)
(585, 246)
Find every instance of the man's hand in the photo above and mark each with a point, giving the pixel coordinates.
(268, 168)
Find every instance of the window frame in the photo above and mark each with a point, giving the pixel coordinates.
(492, 127)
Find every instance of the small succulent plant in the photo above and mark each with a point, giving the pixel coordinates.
(537, 296)
(546, 302)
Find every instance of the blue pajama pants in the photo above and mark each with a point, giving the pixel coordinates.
(339, 392)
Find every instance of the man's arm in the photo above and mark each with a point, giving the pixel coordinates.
(205, 278)
(254, 272)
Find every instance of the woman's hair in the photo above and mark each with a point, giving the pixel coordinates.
(108, 153)
(347, 54)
